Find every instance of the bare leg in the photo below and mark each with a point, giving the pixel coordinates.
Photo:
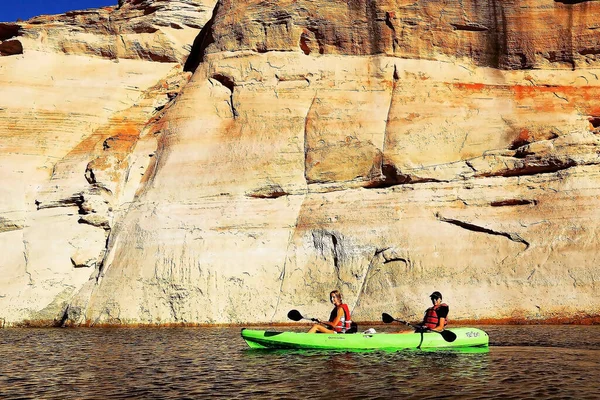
(409, 331)
(320, 328)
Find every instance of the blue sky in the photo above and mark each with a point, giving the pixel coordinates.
(10, 10)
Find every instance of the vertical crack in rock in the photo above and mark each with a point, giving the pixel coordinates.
(111, 236)
(170, 300)
(570, 47)
(572, 277)
(388, 21)
(152, 169)
(26, 257)
(388, 175)
(570, 56)
(204, 39)
(462, 145)
(321, 243)
(229, 83)
(377, 34)
(395, 78)
(366, 276)
(476, 228)
(498, 42)
(336, 264)
(306, 145)
(283, 270)
(100, 266)
(63, 319)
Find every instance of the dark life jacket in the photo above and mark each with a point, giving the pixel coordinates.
(431, 318)
(345, 323)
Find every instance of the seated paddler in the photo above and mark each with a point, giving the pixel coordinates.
(436, 316)
(339, 320)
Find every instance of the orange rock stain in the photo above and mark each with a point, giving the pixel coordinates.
(570, 93)
(472, 87)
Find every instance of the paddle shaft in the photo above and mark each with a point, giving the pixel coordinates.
(318, 321)
(417, 326)
(409, 324)
(295, 315)
(447, 335)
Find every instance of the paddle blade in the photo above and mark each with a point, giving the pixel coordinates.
(387, 318)
(448, 336)
(294, 315)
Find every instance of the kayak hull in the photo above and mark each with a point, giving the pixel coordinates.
(465, 338)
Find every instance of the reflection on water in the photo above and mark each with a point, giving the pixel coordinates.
(523, 362)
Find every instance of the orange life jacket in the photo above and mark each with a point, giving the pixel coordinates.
(345, 323)
(431, 318)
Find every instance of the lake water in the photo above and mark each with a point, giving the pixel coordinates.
(523, 362)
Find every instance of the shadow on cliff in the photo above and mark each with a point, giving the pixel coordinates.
(204, 39)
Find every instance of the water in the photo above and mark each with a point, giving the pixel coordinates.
(523, 362)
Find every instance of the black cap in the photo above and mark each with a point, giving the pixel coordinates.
(436, 295)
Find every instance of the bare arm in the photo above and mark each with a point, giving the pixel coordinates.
(338, 317)
(440, 325)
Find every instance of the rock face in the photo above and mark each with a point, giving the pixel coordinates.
(383, 148)
(77, 131)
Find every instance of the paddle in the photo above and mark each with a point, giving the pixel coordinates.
(295, 315)
(447, 335)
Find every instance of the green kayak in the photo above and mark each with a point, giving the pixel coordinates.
(465, 338)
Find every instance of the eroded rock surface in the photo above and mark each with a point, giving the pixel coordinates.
(384, 148)
(77, 132)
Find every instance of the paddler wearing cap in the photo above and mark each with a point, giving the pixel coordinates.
(436, 316)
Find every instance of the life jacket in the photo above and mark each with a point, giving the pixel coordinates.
(431, 318)
(345, 323)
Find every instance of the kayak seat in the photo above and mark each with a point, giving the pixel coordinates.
(353, 328)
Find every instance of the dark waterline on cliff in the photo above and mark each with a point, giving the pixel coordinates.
(172, 363)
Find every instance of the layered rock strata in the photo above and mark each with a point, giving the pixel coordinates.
(77, 131)
(385, 149)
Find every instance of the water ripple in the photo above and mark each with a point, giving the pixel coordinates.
(550, 362)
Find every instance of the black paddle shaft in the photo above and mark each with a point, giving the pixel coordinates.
(447, 335)
(295, 315)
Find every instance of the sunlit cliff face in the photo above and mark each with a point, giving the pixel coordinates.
(186, 163)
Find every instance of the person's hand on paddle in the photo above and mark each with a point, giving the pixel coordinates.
(295, 315)
(448, 336)
(325, 324)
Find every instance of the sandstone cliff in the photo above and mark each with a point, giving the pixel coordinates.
(384, 148)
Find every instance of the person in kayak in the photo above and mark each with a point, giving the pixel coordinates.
(339, 320)
(436, 316)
